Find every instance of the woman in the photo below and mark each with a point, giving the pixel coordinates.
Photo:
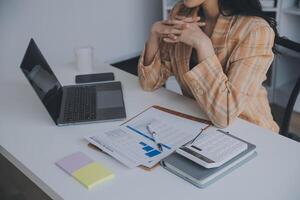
(219, 52)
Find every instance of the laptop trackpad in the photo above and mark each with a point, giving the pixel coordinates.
(109, 99)
(110, 105)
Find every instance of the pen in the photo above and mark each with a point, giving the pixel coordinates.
(193, 140)
(154, 136)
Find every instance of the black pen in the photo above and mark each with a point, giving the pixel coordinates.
(195, 138)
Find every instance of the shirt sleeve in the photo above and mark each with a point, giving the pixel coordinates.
(222, 96)
(154, 76)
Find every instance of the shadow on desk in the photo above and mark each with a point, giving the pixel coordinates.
(14, 185)
(129, 65)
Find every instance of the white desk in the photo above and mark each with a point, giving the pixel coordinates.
(31, 141)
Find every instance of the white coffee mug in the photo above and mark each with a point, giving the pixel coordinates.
(84, 59)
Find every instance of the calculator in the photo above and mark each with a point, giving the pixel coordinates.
(213, 148)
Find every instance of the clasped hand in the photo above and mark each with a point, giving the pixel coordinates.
(181, 29)
(185, 30)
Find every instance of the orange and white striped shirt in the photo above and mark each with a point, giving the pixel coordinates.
(228, 84)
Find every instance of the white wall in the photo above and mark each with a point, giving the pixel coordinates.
(116, 29)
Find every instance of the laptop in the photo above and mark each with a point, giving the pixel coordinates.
(74, 104)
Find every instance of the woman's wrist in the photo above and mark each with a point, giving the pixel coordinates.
(154, 31)
(153, 43)
(153, 38)
(204, 49)
(152, 46)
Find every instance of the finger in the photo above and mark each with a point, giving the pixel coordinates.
(180, 26)
(167, 40)
(191, 19)
(171, 31)
(172, 36)
(187, 19)
(201, 24)
(187, 25)
(177, 26)
(172, 22)
(178, 17)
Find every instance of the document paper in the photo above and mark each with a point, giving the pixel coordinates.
(133, 145)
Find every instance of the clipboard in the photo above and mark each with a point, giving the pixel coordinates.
(173, 112)
(169, 111)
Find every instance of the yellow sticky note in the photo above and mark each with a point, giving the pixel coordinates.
(92, 174)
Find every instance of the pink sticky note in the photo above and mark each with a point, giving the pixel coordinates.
(74, 162)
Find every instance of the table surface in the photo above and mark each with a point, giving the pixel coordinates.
(32, 142)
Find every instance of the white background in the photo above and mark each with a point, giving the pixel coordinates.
(116, 29)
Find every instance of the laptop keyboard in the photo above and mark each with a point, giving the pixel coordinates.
(80, 104)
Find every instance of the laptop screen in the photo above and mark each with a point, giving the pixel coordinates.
(42, 79)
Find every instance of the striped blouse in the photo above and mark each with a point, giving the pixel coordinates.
(228, 84)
